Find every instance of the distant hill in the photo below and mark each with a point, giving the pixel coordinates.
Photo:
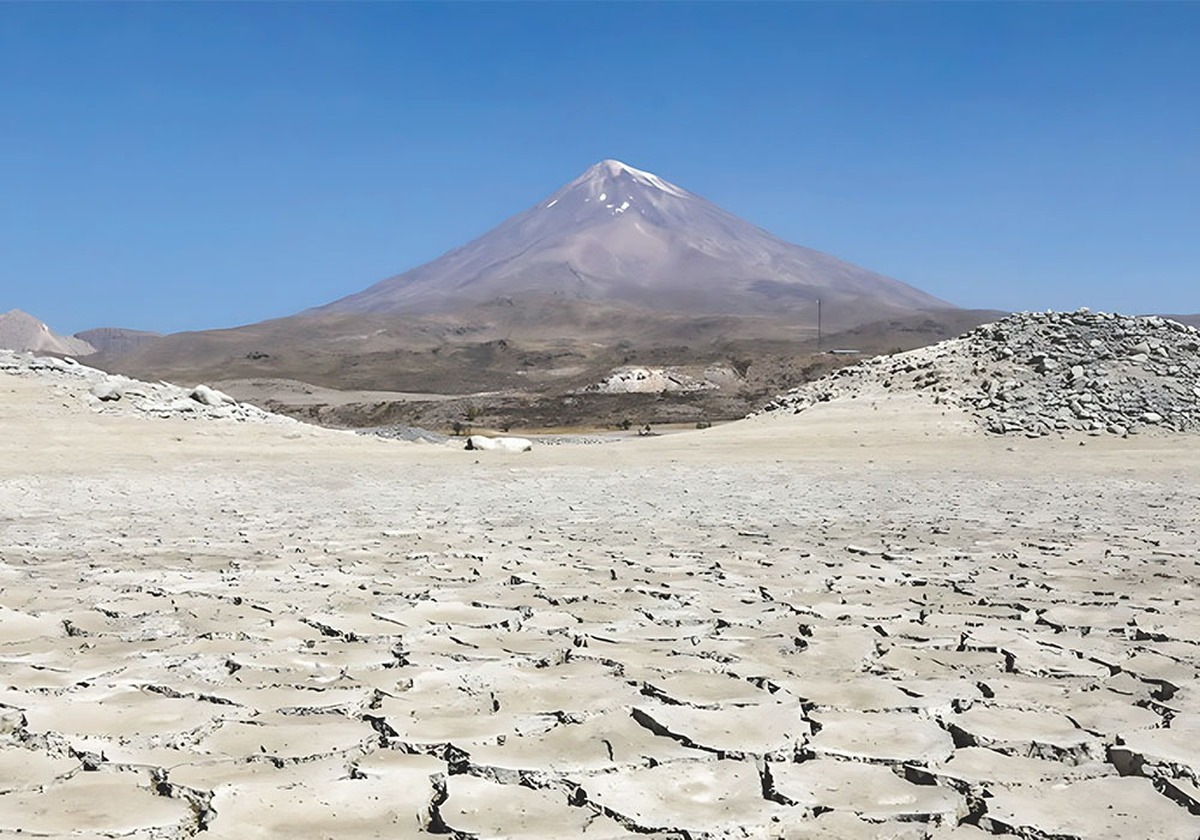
(911, 331)
(21, 331)
(116, 340)
(1192, 320)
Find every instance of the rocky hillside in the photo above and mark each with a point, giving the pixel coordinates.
(1042, 373)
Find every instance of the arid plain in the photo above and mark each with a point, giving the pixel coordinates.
(869, 620)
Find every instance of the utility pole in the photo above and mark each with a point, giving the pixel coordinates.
(818, 325)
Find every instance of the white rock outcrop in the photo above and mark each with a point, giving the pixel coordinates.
(649, 380)
(499, 444)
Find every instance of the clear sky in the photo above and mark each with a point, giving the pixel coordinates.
(176, 166)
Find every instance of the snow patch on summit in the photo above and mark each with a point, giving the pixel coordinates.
(646, 179)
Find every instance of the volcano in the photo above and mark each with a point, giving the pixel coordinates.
(619, 267)
(617, 234)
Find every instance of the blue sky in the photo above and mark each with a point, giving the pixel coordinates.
(195, 165)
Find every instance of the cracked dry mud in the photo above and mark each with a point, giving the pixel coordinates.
(860, 622)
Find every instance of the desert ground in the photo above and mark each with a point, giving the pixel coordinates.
(869, 620)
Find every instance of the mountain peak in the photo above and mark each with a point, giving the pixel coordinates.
(621, 234)
(611, 169)
(612, 166)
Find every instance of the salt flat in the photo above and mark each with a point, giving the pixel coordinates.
(867, 620)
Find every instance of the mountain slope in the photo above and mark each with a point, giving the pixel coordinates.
(620, 234)
(21, 331)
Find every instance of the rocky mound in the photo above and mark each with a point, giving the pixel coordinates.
(114, 394)
(1042, 373)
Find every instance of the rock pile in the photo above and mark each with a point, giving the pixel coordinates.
(113, 394)
(1042, 373)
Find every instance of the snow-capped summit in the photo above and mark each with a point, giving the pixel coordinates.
(624, 235)
(610, 188)
(617, 172)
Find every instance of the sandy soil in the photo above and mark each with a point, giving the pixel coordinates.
(864, 621)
